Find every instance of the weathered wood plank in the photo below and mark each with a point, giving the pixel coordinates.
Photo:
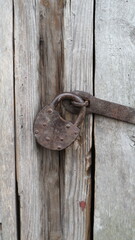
(8, 228)
(114, 141)
(27, 96)
(51, 72)
(38, 68)
(78, 74)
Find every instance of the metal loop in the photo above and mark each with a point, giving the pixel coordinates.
(76, 99)
(70, 107)
(77, 104)
(65, 96)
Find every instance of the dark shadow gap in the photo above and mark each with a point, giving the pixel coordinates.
(18, 213)
(93, 181)
(16, 182)
(61, 187)
(94, 48)
(1, 231)
(93, 134)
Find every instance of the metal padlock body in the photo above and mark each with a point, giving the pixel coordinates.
(52, 131)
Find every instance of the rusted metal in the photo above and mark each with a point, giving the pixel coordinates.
(54, 132)
(102, 107)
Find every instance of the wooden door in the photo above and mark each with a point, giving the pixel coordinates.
(88, 190)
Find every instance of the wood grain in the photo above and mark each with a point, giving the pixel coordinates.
(27, 96)
(53, 51)
(38, 72)
(114, 141)
(78, 75)
(51, 73)
(8, 227)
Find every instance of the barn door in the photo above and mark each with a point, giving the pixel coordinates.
(86, 191)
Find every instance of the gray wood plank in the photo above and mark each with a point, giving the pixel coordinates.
(38, 67)
(114, 141)
(8, 228)
(27, 96)
(78, 75)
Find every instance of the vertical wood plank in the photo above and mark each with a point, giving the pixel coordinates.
(114, 141)
(38, 71)
(27, 96)
(51, 73)
(78, 75)
(8, 228)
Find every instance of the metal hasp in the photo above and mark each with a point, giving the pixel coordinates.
(102, 107)
(54, 132)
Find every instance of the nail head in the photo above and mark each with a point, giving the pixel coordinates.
(50, 110)
(47, 139)
(36, 131)
(59, 147)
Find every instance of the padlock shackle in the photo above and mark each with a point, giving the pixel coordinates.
(72, 96)
(65, 96)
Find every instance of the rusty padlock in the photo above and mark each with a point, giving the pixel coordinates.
(54, 132)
